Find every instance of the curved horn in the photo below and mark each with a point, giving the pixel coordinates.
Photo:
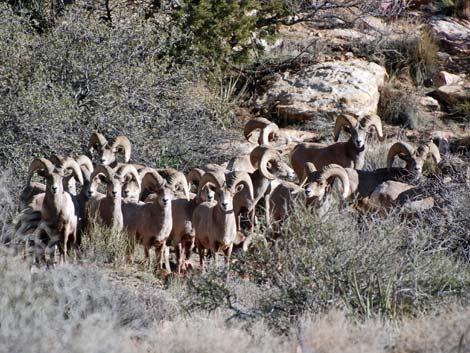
(102, 169)
(235, 178)
(399, 148)
(311, 172)
(122, 144)
(433, 150)
(174, 178)
(269, 131)
(213, 177)
(338, 171)
(341, 121)
(39, 163)
(86, 166)
(194, 176)
(259, 158)
(83, 160)
(129, 169)
(57, 159)
(70, 163)
(375, 121)
(253, 124)
(96, 139)
(149, 176)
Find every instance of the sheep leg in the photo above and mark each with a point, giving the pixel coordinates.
(268, 211)
(162, 253)
(42, 227)
(166, 250)
(228, 253)
(179, 256)
(202, 254)
(188, 248)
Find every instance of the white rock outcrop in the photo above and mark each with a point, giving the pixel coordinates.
(330, 88)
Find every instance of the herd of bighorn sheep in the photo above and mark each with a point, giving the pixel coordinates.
(214, 207)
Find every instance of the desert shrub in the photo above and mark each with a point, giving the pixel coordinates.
(462, 111)
(455, 8)
(414, 52)
(397, 106)
(105, 245)
(84, 76)
(7, 207)
(71, 308)
(371, 266)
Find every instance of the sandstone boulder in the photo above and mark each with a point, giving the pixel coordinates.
(328, 89)
(454, 32)
(443, 78)
(452, 94)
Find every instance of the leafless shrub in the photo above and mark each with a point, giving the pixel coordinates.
(84, 76)
(397, 106)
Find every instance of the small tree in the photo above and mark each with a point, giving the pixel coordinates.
(221, 28)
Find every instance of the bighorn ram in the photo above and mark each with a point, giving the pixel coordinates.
(214, 222)
(317, 183)
(58, 214)
(271, 135)
(414, 158)
(281, 200)
(108, 208)
(32, 195)
(107, 149)
(348, 154)
(264, 164)
(362, 182)
(182, 234)
(151, 223)
(391, 193)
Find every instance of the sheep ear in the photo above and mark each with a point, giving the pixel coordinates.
(102, 179)
(347, 129)
(239, 188)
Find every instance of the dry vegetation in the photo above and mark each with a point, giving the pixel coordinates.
(333, 281)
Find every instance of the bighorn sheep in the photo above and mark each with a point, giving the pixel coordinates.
(214, 222)
(151, 223)
(271, 135)
(348, 154)
(414, 158)
(264, 164)
(108, 208)
(361, 182)
(182, 234)
(317, 183)
(58, 214)
(393, 193)
(32, 195)
(107, 149)
(281, 200)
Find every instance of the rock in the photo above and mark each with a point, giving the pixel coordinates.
(452, 94)
(330, 89)
(444, 56)
(452, 31)
(429, 104)
(444, 78)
